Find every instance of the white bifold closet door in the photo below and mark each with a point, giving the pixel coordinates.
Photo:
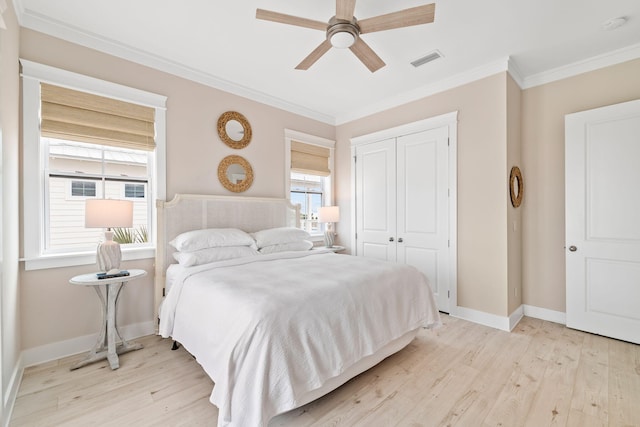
(402, 207)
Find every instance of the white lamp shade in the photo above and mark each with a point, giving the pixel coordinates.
(329, 214)
(108, 213)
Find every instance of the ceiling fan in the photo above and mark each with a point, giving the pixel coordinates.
(344, 30)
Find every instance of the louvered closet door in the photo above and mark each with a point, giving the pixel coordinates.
(423, 207)
(376, 200)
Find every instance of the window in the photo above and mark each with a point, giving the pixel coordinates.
(110, 170)
(308, 192)
(83, 189)
(92, 155)
(134, 191)
(308, 176)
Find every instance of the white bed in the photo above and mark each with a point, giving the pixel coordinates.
(277, 331)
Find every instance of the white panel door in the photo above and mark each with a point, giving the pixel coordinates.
(376, 200)
(603, 220)
(422, 207)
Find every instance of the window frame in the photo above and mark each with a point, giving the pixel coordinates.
(290, 135)
(134, 197)
(34, 182)
(71, 196)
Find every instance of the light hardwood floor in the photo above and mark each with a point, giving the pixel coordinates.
(463, 374)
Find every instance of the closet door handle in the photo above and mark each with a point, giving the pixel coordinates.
(391, 239)
(400, 240)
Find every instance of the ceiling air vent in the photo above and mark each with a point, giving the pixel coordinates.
(427, 58)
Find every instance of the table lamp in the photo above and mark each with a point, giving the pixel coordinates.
(108, 213)
(329, 215)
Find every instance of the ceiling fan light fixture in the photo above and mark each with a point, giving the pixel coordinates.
(342, 39)
(342, 34)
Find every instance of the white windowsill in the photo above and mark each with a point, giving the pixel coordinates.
(82, 258)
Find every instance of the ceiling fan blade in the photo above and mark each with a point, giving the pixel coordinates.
(345, 8)
(268, 15)
(314, 56)
(367, 55)
(403, 18)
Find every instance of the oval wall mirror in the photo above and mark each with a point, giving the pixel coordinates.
(234, 129)
(235, 173)
(516, 186)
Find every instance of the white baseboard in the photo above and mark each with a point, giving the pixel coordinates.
(516, 317)
(482, 318)
(508, 323)
(545, 314)
(12, 392)
(58, 350)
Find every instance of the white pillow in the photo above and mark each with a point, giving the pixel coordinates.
(275, 236)
(302, 245)
(205, 256)
(211, 238)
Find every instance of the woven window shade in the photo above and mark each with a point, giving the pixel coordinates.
(84, 117)
(309, 159)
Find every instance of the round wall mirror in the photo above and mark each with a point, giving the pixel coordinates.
(234, 129)
(235, 173)
(516, 186)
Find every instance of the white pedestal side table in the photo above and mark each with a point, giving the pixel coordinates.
(108, 290)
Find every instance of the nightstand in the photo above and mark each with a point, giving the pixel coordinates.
(334, 248)
(108, 290)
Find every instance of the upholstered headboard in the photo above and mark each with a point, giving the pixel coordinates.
(196, 211)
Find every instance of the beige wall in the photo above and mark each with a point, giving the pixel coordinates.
(543, 111)
(9, 133)
(514, 215)
(499, 126)
(482, 174)
(53, 310)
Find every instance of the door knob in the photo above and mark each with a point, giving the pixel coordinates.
(573, 248)
(400, 240)
(391, 239)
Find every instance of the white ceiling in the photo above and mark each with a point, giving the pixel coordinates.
(223, 45)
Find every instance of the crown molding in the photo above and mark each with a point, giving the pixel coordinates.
(427, 90)
(54, 28)
(608, 59)
(44, 24)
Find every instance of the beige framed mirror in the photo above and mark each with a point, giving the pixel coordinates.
(235, 173)
(516, 186)
(234, 129)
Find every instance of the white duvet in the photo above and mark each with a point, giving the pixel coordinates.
(270, 328)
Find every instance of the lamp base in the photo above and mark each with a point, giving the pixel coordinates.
(328, 238)
(108, 256)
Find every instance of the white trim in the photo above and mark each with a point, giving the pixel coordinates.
(59, 77)
(427, 90)
(491, 320)
(12, 392)
(545, 314)
(33, 171)
(451, 121)
(453, 211)
(482, 318)
(516, 317)
(45, 24)
(408, 128)
(514, 72)
(597, 62)
(83, 258)
(38, 22)
(58, 350)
